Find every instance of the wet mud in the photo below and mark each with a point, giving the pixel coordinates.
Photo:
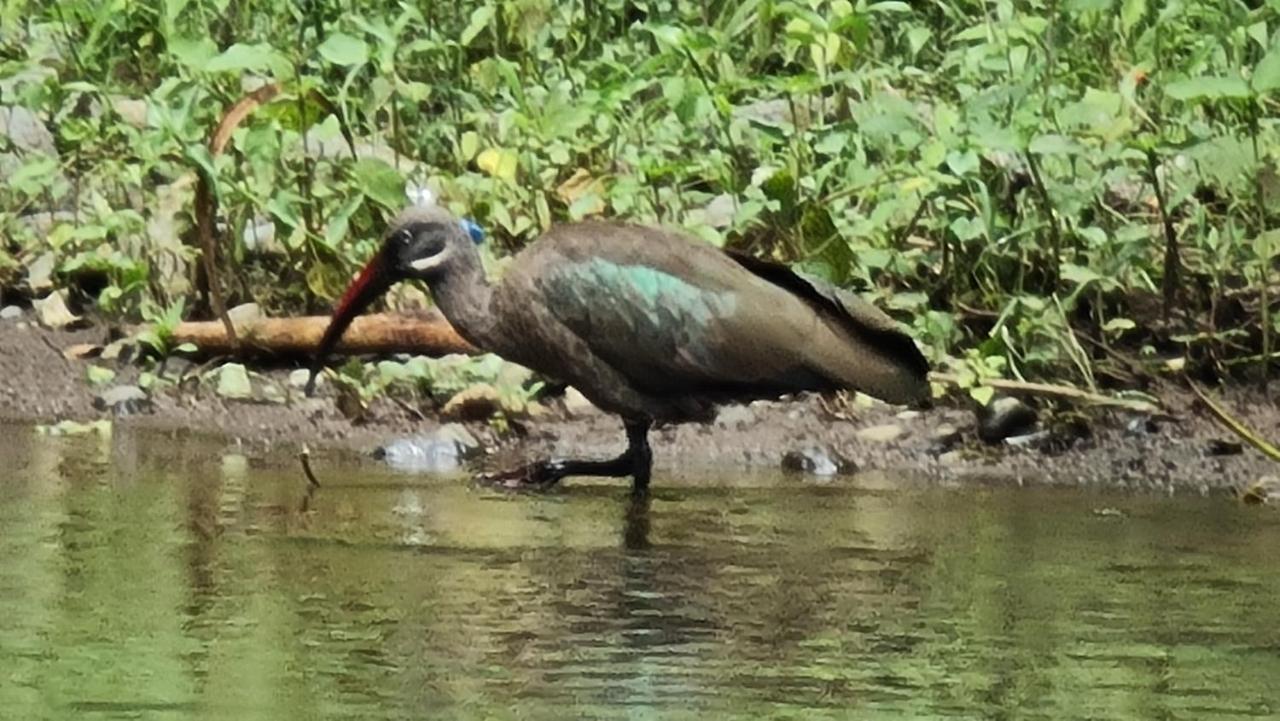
(1186, 453)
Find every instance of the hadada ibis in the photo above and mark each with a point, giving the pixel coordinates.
(647, 323)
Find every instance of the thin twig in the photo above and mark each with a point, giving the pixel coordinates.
(1046, 205)
(305, 456)
(1056, 391)
(1240, 429)
(1172, 264)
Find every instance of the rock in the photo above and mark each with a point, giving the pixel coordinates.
(1003, 417)
(1142, 426)
(26, 131)
(881, 434)
(943, 438)
(41, 224)
(717, 214)
(735, 416)
(123, 400)
(817, 461)
(298, 378)
(10, 312)
(40, 273)
(437, 452)
(244, 315)
(1037, 439)
(475, 403)
(52, 311)
(577, 405)
(131, 110)
(1220, 447)
(233, 382)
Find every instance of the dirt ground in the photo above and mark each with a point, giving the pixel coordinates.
(39, 385)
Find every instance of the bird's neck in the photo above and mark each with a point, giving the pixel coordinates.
(465, 297)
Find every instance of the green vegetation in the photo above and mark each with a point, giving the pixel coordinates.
(1068, 189)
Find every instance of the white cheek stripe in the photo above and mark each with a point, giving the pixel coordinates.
(430, 262)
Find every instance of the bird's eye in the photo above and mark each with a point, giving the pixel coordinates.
(403, 237)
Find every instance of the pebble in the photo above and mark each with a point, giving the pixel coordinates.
(881, 434)
(1029, 440)
(576, 404)
(10, 312)
(1005, 417)
(123, 400)
(817, 461)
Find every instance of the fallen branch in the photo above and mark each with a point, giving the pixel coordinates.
(377, 333)
(1056, 391)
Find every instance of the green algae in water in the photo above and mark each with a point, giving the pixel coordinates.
(146, 578)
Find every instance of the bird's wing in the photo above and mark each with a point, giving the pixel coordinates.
(671, 315)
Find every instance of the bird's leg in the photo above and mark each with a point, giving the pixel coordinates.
(636, 461)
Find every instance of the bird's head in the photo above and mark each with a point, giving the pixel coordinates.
(422, 243)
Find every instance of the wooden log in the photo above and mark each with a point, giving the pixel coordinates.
(429, 335)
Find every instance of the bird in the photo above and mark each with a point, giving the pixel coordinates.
(648, 323)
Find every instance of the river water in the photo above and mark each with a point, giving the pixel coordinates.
(147, 577)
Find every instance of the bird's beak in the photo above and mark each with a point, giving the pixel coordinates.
(373, 281)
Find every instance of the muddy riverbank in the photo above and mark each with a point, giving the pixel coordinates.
(1190, 453)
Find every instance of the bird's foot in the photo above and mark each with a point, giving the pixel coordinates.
(538, 475)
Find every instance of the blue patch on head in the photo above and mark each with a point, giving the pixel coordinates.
(473, 229)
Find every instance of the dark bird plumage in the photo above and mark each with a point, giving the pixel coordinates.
(646, 323)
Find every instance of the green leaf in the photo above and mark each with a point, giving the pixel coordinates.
(982, 394)
(1053, 144)
(1079, 274)
(242, 57)
(1207, 87)
(1266, 76)
(380, 182)
(99, 376)
(1131, 13)
(192, 52)
(480, 19)
(343, 49)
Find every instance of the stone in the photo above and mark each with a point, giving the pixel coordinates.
(123, 400)
(132, 111)
(10, 312)
(1036, 439)
(26, 131)
(298, 378)
(233, 382)
(881, 434)
(1003, 417)
(817, 461)
(577, 405)
(244, 315)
